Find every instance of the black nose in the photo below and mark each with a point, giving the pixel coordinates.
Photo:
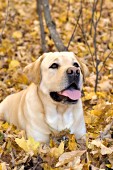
(72, 71)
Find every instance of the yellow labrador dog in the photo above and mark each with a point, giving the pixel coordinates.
(53, 101)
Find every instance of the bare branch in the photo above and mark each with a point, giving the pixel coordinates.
(6, 19)
(95, 52)
(52, 28)
(85, 39)
(95, 24)
(81, 8)
(68, 9)
(73, 33)
(39, 11)
(93, 12)
(106, 60)
(101, 5)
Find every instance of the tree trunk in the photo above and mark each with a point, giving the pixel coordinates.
(39, 11)
(52, 28)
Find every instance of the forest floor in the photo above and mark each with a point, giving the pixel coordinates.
(20, 45)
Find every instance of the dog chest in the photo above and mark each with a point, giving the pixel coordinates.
(60, 121)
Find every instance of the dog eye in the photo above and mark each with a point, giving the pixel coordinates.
(54, 66)
(76, 64)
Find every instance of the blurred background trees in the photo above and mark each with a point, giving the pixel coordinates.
(90, 29)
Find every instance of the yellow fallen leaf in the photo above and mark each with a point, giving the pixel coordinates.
(72, 143)
(110, 45)
(56, 152)
(29, 145)
(33, 34)
(96, 112)
(5, 47)
(5, 125)
(105, 37)
(88, 119)
(63, 18)
(92, 135)
(33, 144)
(17, 34)
(22, 143)
(109, 166)
(89, 95)
(110, 112)
(101, 94)
(13, 64)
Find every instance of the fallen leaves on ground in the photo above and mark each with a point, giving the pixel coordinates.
(29, 145)
(20, 45)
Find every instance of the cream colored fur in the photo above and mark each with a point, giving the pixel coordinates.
(34, 110)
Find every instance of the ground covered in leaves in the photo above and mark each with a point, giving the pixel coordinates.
(20, 45)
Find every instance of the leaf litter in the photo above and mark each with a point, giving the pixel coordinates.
(19, 46)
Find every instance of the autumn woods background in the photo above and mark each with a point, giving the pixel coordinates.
(29, 28)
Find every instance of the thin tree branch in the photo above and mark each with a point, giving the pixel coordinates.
(85, 39)
(101, 5)
(95, 53)
(39, 11)
(95, 24)
(6, 19)
(68, 9)
(52, 28)
(93, 12)
(106, 60)
(82, 14)
(73, 33)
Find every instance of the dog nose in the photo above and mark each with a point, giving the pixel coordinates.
(73, 71)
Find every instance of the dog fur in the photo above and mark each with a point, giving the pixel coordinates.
(33, 109)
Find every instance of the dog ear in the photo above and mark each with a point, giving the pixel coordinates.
(84, 68)
(33, 71)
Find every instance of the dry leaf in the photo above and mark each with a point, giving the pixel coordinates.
(20, 45)
(13, 64)
(3, 166)
(105, 150)
(96, 142)
(69, 156)
(29, 145)
(56, 152)
(17, 34)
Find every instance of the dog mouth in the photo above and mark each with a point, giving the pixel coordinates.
(69, 95)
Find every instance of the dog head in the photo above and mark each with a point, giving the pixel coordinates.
(59, 75)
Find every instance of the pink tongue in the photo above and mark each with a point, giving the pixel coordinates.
(72, 94)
